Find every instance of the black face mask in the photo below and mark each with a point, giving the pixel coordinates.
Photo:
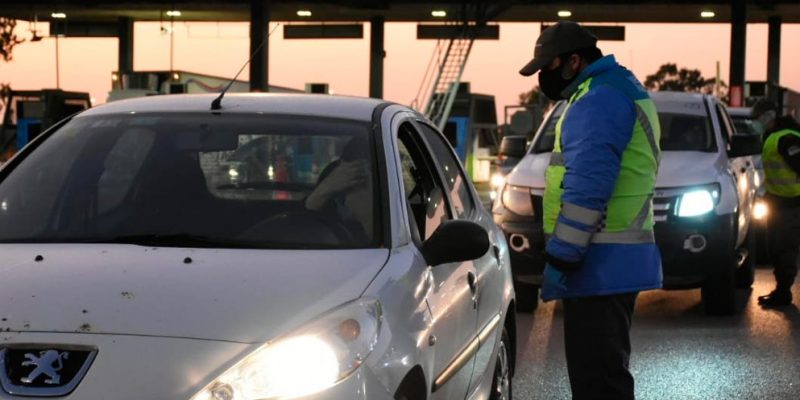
(553, 83)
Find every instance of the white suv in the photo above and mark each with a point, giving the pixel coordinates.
(703, 202)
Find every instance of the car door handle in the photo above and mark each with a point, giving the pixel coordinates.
(473, 282)
(473, 288)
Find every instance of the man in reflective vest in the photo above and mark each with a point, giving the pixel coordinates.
(597, 205)
(781, 159)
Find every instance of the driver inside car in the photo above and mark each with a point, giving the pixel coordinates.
(344, 189)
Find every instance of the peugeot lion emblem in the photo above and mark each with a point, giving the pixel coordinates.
(44, 371)
(45, 365)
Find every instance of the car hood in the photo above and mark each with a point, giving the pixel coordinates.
(677, 169)
(233, 295)
(687, 168)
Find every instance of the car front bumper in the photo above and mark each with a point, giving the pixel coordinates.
(692, 249)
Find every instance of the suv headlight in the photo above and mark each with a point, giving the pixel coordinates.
(517, 199)
(697, 202)
(310, 360)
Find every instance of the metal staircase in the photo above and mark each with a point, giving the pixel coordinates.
(449, 67)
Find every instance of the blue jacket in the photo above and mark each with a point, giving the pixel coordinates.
(595, 132)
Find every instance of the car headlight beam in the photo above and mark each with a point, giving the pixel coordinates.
(308, 361)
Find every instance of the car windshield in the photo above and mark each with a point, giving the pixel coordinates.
(196, 180)
(679, 132)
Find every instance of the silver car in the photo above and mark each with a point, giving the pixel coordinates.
(281, 246)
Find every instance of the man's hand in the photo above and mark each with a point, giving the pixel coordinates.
(345, 176)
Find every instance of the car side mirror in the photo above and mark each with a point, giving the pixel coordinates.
(455, 241)
(745, 145)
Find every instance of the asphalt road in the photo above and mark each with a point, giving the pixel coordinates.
(678, 352)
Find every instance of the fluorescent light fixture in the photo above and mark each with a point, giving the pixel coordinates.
(707, 14)
(565, 13)
(59, 15)
(439, 13)
(173, 13)
(304, 13)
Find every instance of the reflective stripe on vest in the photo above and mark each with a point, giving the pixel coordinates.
(628, 218)
(781, 180)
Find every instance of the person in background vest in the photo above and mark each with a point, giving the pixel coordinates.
(781, 159)
(598, 211)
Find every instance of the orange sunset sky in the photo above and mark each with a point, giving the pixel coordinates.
(221, 49)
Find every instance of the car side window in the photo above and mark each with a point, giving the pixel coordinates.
(455, 181)
(424, 194)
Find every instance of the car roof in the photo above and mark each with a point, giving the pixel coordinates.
(355, 108)
(680, 103)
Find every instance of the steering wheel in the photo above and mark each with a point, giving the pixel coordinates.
(297, 226)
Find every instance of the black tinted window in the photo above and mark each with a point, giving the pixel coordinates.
(260, 181)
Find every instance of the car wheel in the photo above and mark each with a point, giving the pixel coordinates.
(527, 296)
(502, 387)
(719, 290)
(746, 274)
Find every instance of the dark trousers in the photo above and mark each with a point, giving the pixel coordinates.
(784, 244)
(598, 346)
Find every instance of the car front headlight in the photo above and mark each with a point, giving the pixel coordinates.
(697, 202)
(310, 360)
(760, 210)
(517, 199)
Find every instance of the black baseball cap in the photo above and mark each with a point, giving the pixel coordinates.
(563, 37)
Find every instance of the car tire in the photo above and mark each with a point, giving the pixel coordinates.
(719, 291)
(502, 383)
(746, 273)
(527, 296)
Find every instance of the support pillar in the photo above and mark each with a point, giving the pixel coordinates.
(738, 44)
(376, 55)
(259, 45)
(774, 51)
(125, 48)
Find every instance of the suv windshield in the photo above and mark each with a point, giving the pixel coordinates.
(679, 132)
(197, 180)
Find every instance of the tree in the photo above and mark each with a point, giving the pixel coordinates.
(8, 39)
(670, 78)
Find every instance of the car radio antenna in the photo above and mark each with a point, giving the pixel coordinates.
(217, 103)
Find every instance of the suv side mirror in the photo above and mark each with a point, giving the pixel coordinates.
(514, 146)
(745, 145)
(455, 241)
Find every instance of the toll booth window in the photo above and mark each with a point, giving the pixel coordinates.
(455, 180)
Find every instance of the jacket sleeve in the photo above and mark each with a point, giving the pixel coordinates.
(789, 149)
(595, 133)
